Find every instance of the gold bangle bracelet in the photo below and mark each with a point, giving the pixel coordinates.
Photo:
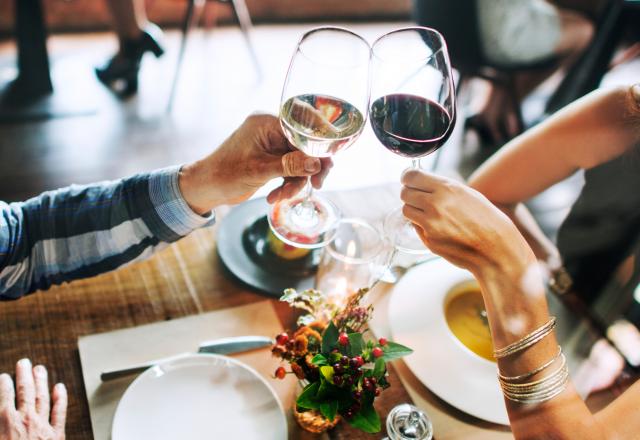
(527, 341)
(539, 381)
(532, 372)
(539, 390)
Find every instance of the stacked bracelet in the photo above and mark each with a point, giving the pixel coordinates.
(539, 390)
(526, 342)
(532, 372)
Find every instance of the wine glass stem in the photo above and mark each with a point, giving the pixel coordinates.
(306, 210)
(415, 164)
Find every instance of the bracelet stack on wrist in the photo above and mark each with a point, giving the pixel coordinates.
(515, 389)
(539, 390)
(527, 341)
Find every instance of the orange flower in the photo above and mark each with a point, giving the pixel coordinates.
(297, 370)
(308, 332)
(300, 345)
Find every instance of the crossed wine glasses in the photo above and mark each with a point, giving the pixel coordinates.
(325, 104)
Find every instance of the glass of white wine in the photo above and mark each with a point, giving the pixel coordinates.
(323, 110)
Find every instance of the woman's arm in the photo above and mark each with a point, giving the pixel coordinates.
(591, 131)
(461, 225)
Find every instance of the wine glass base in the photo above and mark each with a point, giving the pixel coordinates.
(295, 226)
(403, 234)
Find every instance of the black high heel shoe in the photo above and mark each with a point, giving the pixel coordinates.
(121, 72)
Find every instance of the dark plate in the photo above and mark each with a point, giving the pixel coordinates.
(245, 252)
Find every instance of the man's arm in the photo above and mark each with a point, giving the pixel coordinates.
(81, 231)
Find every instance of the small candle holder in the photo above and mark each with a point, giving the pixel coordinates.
(355, 258)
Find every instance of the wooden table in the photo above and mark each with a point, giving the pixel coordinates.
(186, 278)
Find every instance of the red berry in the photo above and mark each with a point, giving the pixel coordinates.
(343, 339)
(338, 369)
(348, 413)
(357, 394)
(377, 352)
(280, 372)
(282, 338)
(337, 380)
(377, 393)
(344, 360)
(359, 360)
(383, 341)
(354, 363)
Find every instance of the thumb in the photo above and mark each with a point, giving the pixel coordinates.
(296, 164)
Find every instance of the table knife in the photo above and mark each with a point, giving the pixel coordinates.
(231, 345)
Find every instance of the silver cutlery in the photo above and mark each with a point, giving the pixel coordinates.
(231, 345)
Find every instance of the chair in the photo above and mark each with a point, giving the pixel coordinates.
(458, 22)
(191, 18)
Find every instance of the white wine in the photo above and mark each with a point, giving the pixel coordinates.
(319, 125)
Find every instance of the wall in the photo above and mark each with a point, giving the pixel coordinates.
(87, 15)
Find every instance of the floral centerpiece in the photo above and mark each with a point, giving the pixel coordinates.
(341, 370)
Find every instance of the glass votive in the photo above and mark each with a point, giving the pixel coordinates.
(355, 258)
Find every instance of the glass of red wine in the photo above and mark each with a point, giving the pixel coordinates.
(413, 108)
(323, 109)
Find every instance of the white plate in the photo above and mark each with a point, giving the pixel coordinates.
(203, 396)
(440, 361)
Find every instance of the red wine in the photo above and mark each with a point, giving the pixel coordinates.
(410, 125)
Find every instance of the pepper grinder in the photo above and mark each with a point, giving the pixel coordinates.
(406, 422)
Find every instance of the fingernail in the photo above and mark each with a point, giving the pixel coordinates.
(25, 363)
(310, 164)
(39, 369)
(60, 387)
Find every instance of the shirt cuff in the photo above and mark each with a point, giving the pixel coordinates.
(171, 206)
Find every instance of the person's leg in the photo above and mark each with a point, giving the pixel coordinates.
(129, 18)
(136, 36)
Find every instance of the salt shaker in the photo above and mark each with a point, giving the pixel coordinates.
(406, 422)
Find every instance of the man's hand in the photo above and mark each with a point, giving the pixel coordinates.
(461, 225)
(255, 153)
(29, 419)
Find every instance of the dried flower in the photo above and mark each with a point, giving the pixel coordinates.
(297, 370)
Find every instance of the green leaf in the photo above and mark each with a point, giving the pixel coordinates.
(329, 338)
(327, 373)
(307, 399)
(329, 409)
(366, 420)
(379, 368)
(355, 344)
(334, 357)
(394, 351)
(319, 360)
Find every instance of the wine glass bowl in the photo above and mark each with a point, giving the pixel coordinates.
(413, 110)
(323, 109)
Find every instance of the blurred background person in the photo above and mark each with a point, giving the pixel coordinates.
(136, 37)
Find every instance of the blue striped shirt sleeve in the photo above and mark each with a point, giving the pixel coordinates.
(81, 231)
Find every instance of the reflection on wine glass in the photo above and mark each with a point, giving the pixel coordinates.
(323, 109)
(413, 107)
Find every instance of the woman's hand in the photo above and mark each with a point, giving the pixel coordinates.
(461, 225)
(29, 419)
(255, 153)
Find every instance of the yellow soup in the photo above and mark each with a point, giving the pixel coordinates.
(466, 317)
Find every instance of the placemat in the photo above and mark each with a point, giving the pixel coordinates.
(131, 346)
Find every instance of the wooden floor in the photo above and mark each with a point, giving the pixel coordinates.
(218, 88)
